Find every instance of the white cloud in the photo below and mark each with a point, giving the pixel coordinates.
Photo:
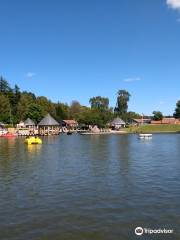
(30, 74)
(175, 4)
(132, 79)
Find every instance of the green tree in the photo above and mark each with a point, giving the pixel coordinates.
(93, 117)
(177, 110)
(121, 108)
(34, 112)
(47, 105)
(26, 99)
(4, 86)
(14, 97)
(99, 103)
(100, 113)
(90, 117)
(5, 109)
(157, 115)
(29, 94)
(62, 111)
(132, 115)
(75, 109)
(17, 93)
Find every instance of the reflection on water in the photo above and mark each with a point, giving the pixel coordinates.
(88, 187)
(34, 148)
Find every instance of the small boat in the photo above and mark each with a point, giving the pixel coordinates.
(145, 135)
(8, 135)
(33, 140)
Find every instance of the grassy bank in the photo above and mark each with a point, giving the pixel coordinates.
(155, 128)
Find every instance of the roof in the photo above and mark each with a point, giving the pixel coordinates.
(48, 121)
(29, 122)
(138, 120)
(141, 120)
(118, 121)
(70, 122)
(166, 121)
(169, 120)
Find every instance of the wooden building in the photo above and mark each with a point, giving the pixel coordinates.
(27, 127)
(20, 125)
(117, 123)
(48, 126)
(140, 121)
(70, 124)
(29, 123)
(166, 121)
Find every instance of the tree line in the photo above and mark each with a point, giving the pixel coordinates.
(17, 105)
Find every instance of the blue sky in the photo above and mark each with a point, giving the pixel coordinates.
(73, 50)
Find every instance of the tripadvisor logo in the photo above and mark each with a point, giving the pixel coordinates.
(140, 231)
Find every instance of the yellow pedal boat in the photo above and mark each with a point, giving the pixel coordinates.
(33, 140)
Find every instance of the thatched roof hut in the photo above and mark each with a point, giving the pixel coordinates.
(48, 120)
(118, 123)
(29, 122)
(48, 126)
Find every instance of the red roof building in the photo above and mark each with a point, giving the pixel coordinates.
(166, 121)
(70, 123)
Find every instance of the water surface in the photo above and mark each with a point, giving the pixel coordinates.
(89, 187)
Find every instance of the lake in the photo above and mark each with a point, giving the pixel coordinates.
(89, 187)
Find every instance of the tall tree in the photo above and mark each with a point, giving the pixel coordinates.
(99, 103)
(4, 86)
(157, 115)
(23, 105)
(34, 112)
(14, 97)
(47, 105)
(75, 109)
(5, 109)
(177, 110)
(29, 94)
(91, 117)
(17, 93)
(123, 97)
(62, 111)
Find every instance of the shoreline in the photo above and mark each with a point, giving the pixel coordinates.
(104, 133)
